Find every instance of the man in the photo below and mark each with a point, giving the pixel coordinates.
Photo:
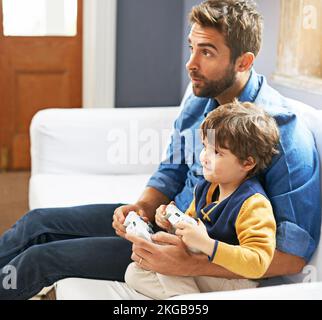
(51, 244)
(224, 40)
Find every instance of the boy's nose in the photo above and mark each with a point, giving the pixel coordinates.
(203, 158)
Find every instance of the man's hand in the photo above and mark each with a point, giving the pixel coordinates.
(149, 201)
(167, 255)
(120, 214)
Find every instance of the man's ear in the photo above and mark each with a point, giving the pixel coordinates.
(245, 62)
(249, 164)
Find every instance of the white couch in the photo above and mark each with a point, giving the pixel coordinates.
(73, 163)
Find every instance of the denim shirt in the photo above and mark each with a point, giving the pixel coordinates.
(292, 182)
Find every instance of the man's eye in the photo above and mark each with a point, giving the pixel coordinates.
(206, 53)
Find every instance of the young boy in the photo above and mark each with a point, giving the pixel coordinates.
(236, 226)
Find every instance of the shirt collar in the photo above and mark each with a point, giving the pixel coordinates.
(251, 89)
(249, 93)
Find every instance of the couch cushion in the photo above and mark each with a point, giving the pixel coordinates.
(303, 291)
(47, 190)
(85, 289)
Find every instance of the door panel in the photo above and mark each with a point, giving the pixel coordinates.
(35, 73)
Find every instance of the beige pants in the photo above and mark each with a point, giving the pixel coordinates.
(158, 286)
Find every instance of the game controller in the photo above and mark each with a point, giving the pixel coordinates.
(137, 226)
(174, 215)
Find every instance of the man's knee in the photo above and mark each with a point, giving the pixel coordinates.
(39, 217)
(35, 256)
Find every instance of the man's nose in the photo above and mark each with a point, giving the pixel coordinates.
(192, 64)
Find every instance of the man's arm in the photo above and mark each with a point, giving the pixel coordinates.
(282, 264)
(150, 200)
(169, 256)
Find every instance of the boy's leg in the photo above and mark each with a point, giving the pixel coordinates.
(42, 265)
(46, 225)
(209, 284)
(157, 286)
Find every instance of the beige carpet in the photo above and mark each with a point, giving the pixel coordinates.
(13, 198)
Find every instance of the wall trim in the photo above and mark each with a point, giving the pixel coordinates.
(99, 53)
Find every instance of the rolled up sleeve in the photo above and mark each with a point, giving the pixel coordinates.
(293, 186)
(171, 175)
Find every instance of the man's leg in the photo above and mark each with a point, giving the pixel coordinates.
(42, 265)
(46, 225)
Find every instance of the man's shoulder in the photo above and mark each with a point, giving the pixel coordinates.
(272, 101)
(276, 104)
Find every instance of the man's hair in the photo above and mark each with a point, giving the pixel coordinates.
(246, 130)
(237, 20)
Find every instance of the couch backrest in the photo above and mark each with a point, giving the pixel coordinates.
(313, 119)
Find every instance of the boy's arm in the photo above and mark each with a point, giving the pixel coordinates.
(255, 228)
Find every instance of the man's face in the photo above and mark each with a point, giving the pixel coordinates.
(209, 66)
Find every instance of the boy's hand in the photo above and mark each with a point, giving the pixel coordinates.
(195, 236)
(160, 217)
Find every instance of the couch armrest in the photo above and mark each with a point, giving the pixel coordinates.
(100, 141)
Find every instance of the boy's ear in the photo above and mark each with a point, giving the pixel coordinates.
(249, 164)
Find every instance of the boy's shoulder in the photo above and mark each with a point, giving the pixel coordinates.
(252, 186)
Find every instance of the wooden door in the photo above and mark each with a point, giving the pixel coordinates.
(35, 73)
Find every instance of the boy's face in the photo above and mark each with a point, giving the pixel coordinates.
(220, 165)
(210, 68)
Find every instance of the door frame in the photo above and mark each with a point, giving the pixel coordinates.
(99, 53)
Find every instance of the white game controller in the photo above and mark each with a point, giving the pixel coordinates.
(174, 215)
(137, 226)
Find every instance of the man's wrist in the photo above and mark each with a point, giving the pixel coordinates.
(196, 265)
(147, 209)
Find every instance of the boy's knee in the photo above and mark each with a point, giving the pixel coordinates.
(131, 275)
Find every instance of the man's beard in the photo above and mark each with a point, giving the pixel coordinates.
(212, 89)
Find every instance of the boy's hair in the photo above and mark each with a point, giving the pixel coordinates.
(246, 130)
(237, 20)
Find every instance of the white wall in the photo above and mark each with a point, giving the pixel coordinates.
(99, 53)
(267, 59)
